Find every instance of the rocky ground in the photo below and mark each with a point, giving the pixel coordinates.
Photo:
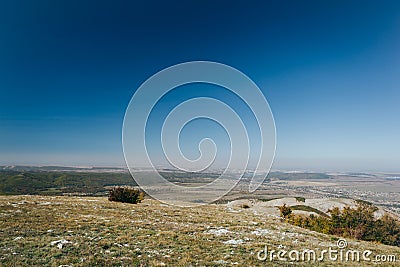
(91, 231)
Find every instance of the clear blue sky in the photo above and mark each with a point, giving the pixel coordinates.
(329, 69)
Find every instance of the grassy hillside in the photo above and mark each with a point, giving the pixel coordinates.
(87, 231)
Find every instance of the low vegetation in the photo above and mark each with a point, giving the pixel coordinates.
(286, 211)
(300, 199)
(92, 231)
(125, 194)
(359, 223)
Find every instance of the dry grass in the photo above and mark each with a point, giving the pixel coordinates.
(96, 232)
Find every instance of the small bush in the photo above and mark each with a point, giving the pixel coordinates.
(286, 211)
(358, 222)
(125, 194)
(300, 199)
(245, 206)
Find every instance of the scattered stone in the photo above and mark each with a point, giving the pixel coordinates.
(221, 262)
(60, 243)
(233, 242)
(218, 232)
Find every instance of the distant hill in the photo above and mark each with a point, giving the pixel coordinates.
(55, 180)
(38, 181)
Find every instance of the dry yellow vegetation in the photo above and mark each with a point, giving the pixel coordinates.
(92, 231)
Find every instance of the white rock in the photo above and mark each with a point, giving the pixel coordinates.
(218, 232)
(221, 262)
(60, 243)
(233, 242)
(262, 232)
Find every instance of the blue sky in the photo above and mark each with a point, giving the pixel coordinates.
(329, 69)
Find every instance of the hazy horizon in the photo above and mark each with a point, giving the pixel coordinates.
(329, 73)
(273, 169)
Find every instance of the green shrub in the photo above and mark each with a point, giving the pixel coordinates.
(245, 206)
(125, 194)
(300, 199)
(358, 223)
